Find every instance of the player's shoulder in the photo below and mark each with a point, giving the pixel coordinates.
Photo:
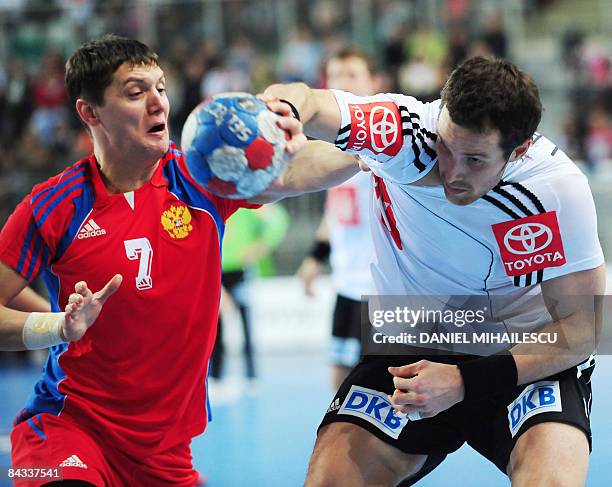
(384, 107)
(546, 177)
(176, 174)
(182, 185)
(426, 112)
(63, 179)
(55, 195)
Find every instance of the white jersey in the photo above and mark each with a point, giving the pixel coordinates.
(538, 223)
(347, 217)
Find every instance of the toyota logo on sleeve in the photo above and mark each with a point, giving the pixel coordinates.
(530, 244)
(383, 128)
(375, 127)
(527, 238)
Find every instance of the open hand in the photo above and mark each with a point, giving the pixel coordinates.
(84, 307)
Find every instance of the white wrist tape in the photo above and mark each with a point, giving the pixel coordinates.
(414, 416)
(43, 330)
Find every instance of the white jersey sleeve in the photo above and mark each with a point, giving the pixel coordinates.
(396, 132)
(560, 237)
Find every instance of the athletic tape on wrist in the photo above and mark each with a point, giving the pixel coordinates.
(414, 416)
(43, 330)
(488, 375)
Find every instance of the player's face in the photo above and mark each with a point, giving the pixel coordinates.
(351, 74)
(470, 163)
(134, 116)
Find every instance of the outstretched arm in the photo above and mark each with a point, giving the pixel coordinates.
(395, 134)
(318, 109)
(315, 167)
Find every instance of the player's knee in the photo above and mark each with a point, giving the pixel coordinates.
(549, 455)
(526, 470)
(541, 478)
(346, 454)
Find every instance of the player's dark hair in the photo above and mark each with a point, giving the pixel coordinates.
(486, 93)
(348, 52)
(90, 69)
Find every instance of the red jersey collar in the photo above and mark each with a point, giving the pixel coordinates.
(101, 195)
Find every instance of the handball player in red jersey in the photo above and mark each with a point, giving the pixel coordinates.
(126, 241)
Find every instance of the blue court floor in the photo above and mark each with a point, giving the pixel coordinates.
(262, 434)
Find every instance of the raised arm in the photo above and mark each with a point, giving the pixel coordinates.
(318, 109)
(316, 167)
(396, 134)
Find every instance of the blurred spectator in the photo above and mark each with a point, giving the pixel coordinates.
(242, 54)
(572, 44)
(191, 81)
(325, 16)
(458, 11)
(458, 46)
(300, 59)
(423, 74)
(494, 35)
(588, 125)
(50, 98)
(420, 79)
(598, 70)
(427, 45)
(394, 54)
(224, 78)
(392, 18)
(16, 103)
(599, 136)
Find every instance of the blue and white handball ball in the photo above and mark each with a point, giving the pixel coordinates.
(233, 146)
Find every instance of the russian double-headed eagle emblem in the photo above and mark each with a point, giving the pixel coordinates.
(176, 220)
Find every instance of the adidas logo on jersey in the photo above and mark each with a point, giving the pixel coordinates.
(90, 229)
(334, 406)
(73, 461)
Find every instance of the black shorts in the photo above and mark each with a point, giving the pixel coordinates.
(490, 426)
(346, 332)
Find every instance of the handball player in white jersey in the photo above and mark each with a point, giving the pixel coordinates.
(468, 200)
(344, 236)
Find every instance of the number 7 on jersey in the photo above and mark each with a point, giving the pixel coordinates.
(140, 248)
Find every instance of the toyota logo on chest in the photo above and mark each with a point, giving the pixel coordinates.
(527, 238)
(530, 244)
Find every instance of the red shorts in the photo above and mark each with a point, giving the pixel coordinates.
(50, 441)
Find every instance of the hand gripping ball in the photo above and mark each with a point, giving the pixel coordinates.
(233, 146)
